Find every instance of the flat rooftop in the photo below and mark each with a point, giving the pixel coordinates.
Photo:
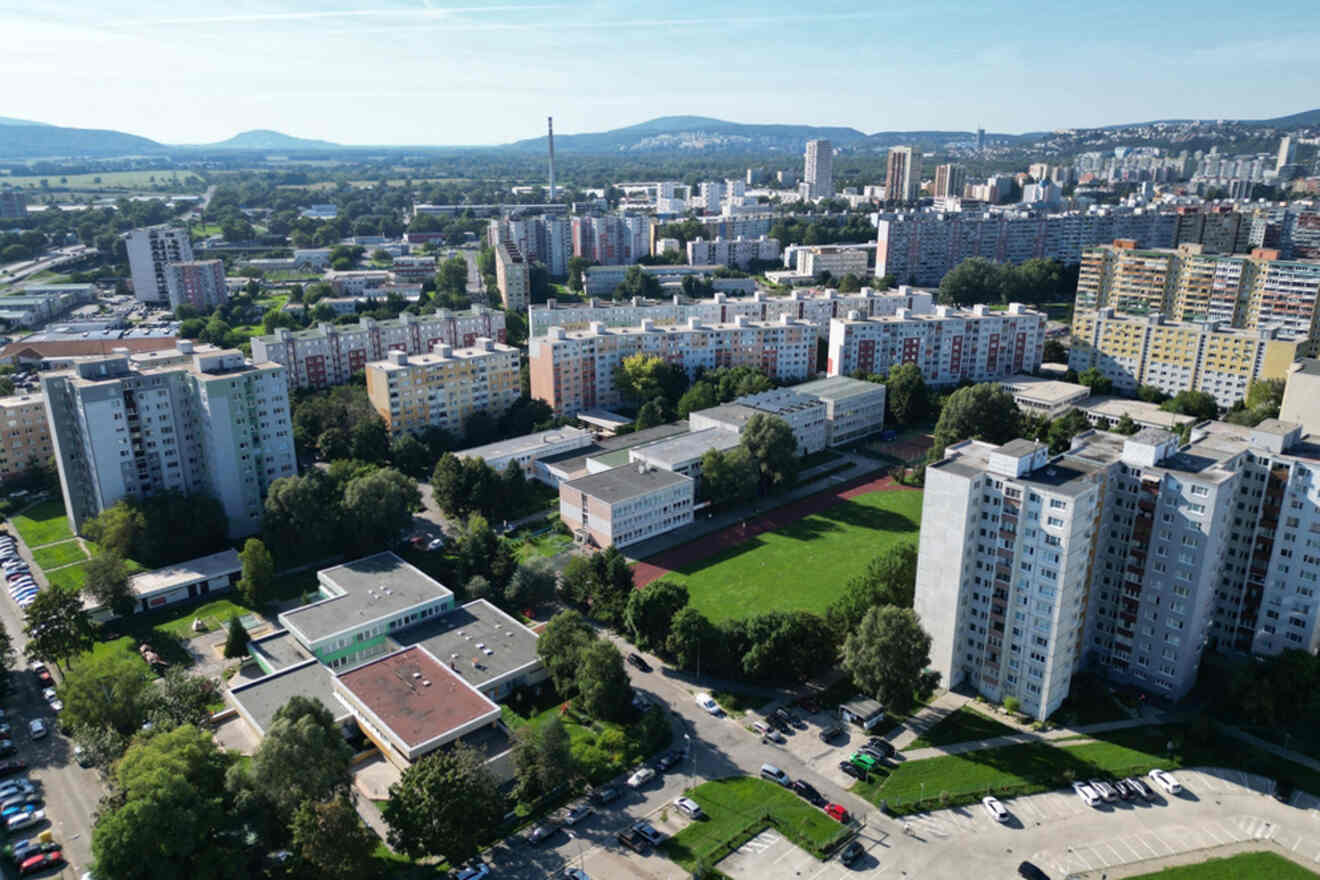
(575, 461)
(621, 483)
(225, 562)
(1050, 391)
(527, 443)
(837, 388)
(729, 414)
(1068, 475)
(684, 447)
(279, 650)
(433, 359)
(417, 698)
(778, 400)
(261, 699)
(1114, 408)
(480, 641)
(366, 589)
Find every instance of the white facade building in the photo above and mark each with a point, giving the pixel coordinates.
(818, 169)
(150, 250)
(735, 253)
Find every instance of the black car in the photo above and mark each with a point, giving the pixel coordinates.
(807, 792)
(851, 769)
(604, 794)
(874, 753)
(1126, 790)
(1283, 791)
(636, 661)
(852, 852)
(830, 733)
(540, 834)
(1031, 872)
(12, 766)
(667, 760)
(882, 747)
(632, 839)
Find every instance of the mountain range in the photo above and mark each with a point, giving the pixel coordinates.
(22, 139)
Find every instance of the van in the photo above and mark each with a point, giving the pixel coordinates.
(774, 774)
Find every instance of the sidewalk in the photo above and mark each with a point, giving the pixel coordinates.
(1274, 749)
(940, 708)
(1017, 739)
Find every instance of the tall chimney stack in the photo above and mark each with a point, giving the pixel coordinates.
(550, 131)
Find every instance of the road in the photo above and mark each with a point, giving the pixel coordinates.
(15, 272)
(71, 792)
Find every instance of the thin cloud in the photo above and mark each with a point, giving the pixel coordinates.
(258, 17)
(628, 23)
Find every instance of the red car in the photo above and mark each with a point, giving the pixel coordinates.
(42, 673)
(836, 812)
(41, 862)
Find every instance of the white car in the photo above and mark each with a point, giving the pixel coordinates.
(641, 777)
(707, 702)
(1165, 781)
(24, 820)
(53, 699)
(688, 807)
(435, 544)
(1104, 789)
(37, 728)
(995, 809)
(1087, 794)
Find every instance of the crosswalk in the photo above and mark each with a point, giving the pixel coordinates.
(760, 843)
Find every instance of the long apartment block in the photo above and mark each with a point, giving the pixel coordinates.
(444, 388)
(949, 345)
(573, 370)
(216, 424)
(816, 306)
(329, 354)
(1178, 356)
(1127, 555)
(24, 434)
(1254, 292)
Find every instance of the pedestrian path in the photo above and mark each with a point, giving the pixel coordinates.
(933, 713)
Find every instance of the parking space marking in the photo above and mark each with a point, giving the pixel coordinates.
(1132, 849)
(1207, 830)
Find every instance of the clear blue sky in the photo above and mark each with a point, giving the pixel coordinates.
(455, 72)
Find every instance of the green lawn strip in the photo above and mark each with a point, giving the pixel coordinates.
(738, 704)
(215, 614)
(70, 577)
(124, 644)
(43, 523)
(741, 807)
(963, 725)
(1243, 866)
(547, 545)
(804, 565)
(55, 555)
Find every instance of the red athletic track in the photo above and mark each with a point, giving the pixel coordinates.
(694, 551)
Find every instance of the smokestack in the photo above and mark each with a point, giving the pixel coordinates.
(550, 133)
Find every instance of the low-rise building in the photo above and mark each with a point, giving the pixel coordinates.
(530, 450)
(555, 469)
(682, 453)
(1050, 398)
(38, 304)
(737, 253)
(180, 582)
(804, 415)
(625, 505)
(838, 261)
(854, 408)
(412, 269)
(1106, 412)
(444, 388)
(24, 435)
(1301, 396)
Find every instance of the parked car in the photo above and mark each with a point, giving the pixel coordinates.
(1087, 794)
(37, 728)
(1165, 781)
(472, 872)
(575, 874)
(12, 766)
(852, 852)
(851, 769)
(1125, 789)
(707, 702)
(995, 809)
(41, 862)
(1140, 787)
(25, 820)
(866, 762)
(1283, 791)
(836, 812)
(647, 830)
(774, 774)
(830, 733)
(1104, 789)
(765, 730)
(689, 808)
(808, 704)
(4, 730)
(634, 841)
(28, 806)
(807, 792)
(53, 699)
(667, 760)
(540, 833)
(21, 799)
(1030, 872)
(435, 544)
(636, 661)
(882, 746)
(574, 815)
(42, 673)
(7, 748)
(15, 787)
(604, 794)
(880, 757)
(640, 777)
(25, 849)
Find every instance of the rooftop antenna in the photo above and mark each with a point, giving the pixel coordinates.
(550, 138)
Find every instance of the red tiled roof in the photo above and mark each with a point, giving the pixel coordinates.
(85, 347)
(393, 689)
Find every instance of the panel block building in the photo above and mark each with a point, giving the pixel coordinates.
(197, 283)
(443, 389)
(150, 250)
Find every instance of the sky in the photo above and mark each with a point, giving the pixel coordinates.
(466, 72)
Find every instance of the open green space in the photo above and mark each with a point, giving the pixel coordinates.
(216, 615)
(741, 807)
(1243, 866)
(964, 725)
(70, 577)
(43, 523)
(738, 704)
(105, 180)
(824, 549)
(550, 544)
(55, 555)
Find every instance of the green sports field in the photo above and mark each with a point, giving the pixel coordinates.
(805, 564)
(1245, 866)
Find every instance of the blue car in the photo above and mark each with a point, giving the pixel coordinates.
(18, 808)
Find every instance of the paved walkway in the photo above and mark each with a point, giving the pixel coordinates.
(1272, 748)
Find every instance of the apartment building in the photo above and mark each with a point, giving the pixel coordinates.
(818, 306)
(444, 388)
(818, 169)
(412, 270)
(150, 250)
(950, 180)
(903, 174)
(198, 283)
(512, 277)
(574, 370)
(217, 425)
(612, 240)
(838, 261)
(626, 504)
(329, 354)
(949, 345)
(1255, 291)
(1179, 355)
(737, 253)
(804, 415)
(13, 204)
(547, 240)
(24, 435)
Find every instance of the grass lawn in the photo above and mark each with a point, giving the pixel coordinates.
(828, 548)
(43, 523)
(109, 180)
(1244, 866)
(216, 615)
(71, 577)
(125, 644)
(547, 545)
(738, 704)
(739, 808)
(55, 555)
(964, 725)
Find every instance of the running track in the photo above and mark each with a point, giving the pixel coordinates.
(694, 551)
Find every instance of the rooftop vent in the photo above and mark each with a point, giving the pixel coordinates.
(426, 683)
(417, 675)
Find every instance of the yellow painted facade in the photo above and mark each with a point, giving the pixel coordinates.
(445, 388)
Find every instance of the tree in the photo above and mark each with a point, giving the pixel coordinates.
(729, 478)
(650, 612)
(1267, 395)
(1151, 394)
(1199, 404)
(1054, 352)
(773, 447)
(701, 395)
(57, 626)
(642, 378)
(1064, 428)
(302, 518)
(329, 836)
(543, 760)
(303, 757)
(1125, 425)
(887, 654)
(181, 699)
(612, 584)
(117, 528)
(110, 689)
(410, 456)
(560, 648)
(1095, 380)
(476, 547)
(379, 506)
(689, 632)
(445, 804)
(652, 413)
(452, 277)
(578, 580)
(514, 492)
(637, 282)
(478, 587)
(237, 640)
(983, 412)
(107, 582)
(480, 429)
(258, 573)
(906, 397)
(890, 578)
(604, 691)
(370, 440)
(532, 584)
(447, 486)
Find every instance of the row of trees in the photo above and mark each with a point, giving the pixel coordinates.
(979, 280)
(469, 485)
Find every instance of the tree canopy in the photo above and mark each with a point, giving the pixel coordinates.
(982, 412)
(57, 628)
(445, 804)
(887, 654)
(771, 443)
(1199, 404)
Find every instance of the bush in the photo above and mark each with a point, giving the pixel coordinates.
(1013, 705)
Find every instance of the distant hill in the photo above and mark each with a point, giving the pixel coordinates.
(35, 140)
(692, 134)
(1296, 120)
(265, 139)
